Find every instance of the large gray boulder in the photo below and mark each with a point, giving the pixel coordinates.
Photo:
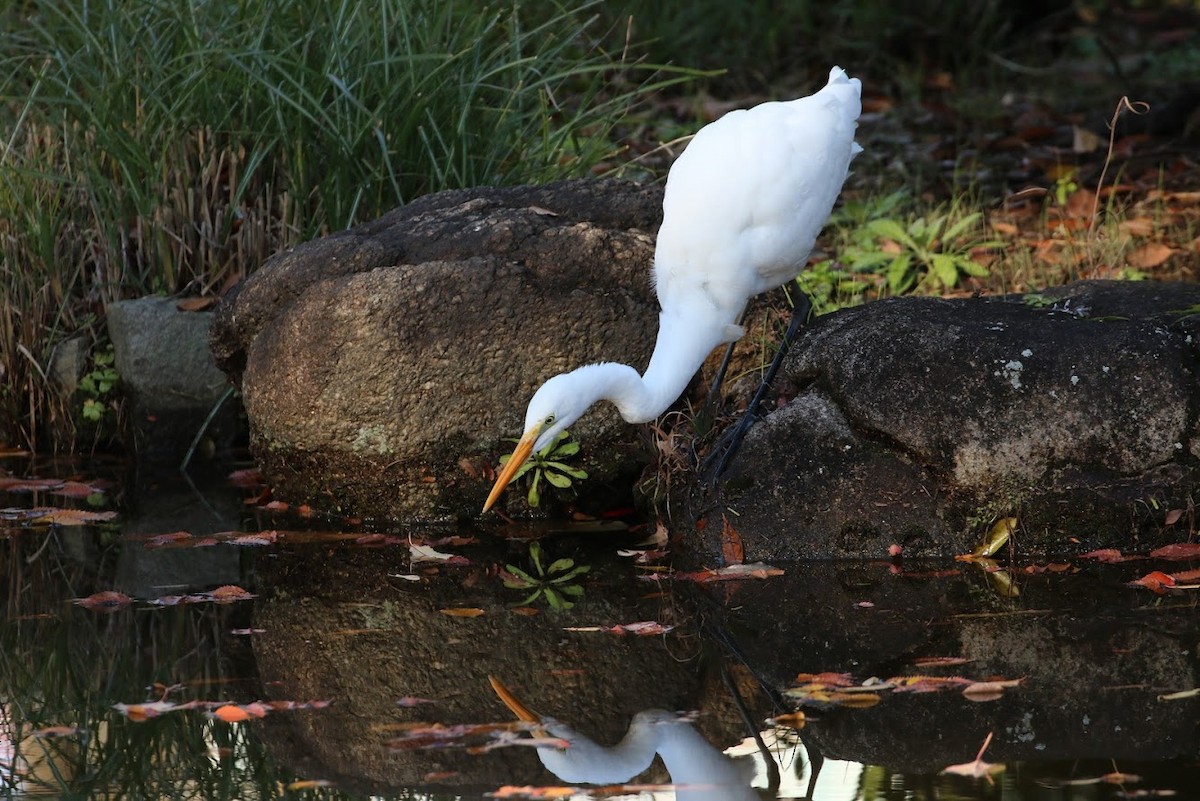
(919, 422)
(382, 366)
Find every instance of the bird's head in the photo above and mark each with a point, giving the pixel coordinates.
(556, 405)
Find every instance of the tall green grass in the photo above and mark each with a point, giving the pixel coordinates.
(167, 145)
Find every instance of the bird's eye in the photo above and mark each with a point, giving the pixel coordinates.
(550, 420)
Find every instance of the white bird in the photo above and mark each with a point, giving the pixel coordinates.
(698, 770)
(742, 208)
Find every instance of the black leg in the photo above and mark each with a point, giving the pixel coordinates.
(722, 453)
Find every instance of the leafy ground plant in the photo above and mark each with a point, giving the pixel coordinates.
(547, 463)
(554, 582)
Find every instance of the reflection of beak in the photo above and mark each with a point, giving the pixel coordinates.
(516, 707)
(519, 455)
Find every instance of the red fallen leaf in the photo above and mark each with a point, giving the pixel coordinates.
(1172, 517)
(1179, 550)
(1155, 581)
(526, 611)
(14, 484)
(731, 543)
(230, 593)
(163, 540)
(1108, 556)
(276, 506)
(77, 489)
(260, 538)
(106, 601)
(409, 701)
(440, 775)
(826, 679)
(940, 661)
(51, 732)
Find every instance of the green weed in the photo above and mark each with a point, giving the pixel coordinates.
(553, 582)
(547, 463)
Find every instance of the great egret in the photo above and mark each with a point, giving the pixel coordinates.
(698, 770)
(742, 208)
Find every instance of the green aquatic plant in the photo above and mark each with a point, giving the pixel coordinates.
(553, 582)
(547, 463)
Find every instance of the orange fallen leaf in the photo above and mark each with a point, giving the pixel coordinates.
(72, 517)
(105, 601)
(309, 784)
(1156, 581)
(989, 690)
(463, 611)
(230, 593)
(1178, 550)
(231, 713)
(731, 543)
(195, 304)
(1149, 255)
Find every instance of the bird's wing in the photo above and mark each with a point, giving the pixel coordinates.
(748, 196)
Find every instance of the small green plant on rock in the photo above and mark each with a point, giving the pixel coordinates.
(547, 463)
(98, 384)
(554, 582)
(932, 250)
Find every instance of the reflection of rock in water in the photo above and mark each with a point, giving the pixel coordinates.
(1092, 658)
(338, 627)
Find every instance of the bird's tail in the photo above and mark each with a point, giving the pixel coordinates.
(845, 94)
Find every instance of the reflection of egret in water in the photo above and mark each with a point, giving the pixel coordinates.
(698, 770)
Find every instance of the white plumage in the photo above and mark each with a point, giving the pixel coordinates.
(742, 208)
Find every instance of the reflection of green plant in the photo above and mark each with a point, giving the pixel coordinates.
(98, 383)
(547, 464)
(553, 582)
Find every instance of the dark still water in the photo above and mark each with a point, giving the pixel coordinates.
(187, 638)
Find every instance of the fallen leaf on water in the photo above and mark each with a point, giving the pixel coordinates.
(72, 517)
(462, 611)
(989, 690)
(1179, 550)
(309, 784)
(642, 629)
(941, 661)
(731, 543)
(1108, 556)
(926, 684)
(141, 712)
(230, 593)
(163, 540)
(755, 570)
(512, 791)
(106, 601)
(231, 713)
(50, 732)
(425, 553)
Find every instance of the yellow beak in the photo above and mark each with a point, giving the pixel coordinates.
(522, 712)
(519, 455)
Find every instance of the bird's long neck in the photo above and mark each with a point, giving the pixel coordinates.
(682, 345)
